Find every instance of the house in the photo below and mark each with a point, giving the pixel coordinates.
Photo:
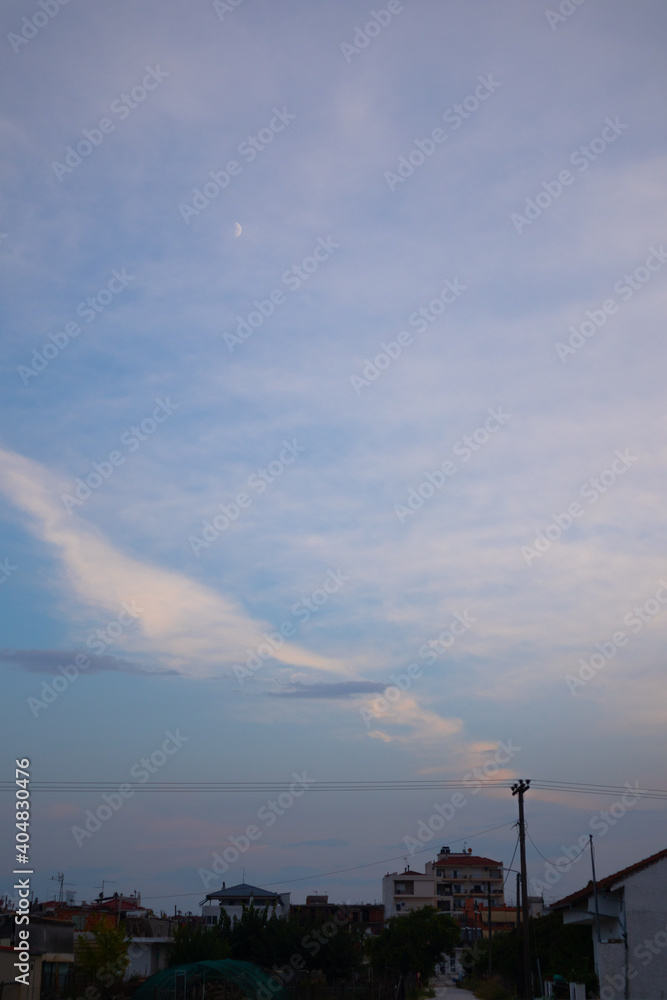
(406, 891)
(149, 937)
(238, 897)
(366, 917)
(462, 885)
(51, 957)
(628, 920)
(462, 878)
(150, 941)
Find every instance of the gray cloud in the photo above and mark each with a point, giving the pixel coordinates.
(49, 661)
(326, 842)
(341, 689)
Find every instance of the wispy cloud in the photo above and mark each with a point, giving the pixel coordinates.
(49, 661)
(340, 689)
(181, 622)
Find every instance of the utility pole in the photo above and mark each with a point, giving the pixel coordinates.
(490, 934)
(595, 890)
(520, 788)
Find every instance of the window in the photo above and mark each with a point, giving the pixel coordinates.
(444, 904)
(56, 977)
(441, 890)
(456, 888)
(440, 873)
(404, 888)
(477, 888)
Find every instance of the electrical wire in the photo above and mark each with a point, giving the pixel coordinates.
(509, 867)
(246, 787)
(354, 868)
(566, 864)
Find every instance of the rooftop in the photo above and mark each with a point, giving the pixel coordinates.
(242, 890)
(610, 880)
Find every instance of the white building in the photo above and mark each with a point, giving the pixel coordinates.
(407, 891)
(238, 897)
(631, 955)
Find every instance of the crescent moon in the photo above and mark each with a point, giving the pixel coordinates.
(237, 229)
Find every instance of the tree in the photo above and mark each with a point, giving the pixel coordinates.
(563, 949)
(197, 944)
(415, 942)
(103, 958)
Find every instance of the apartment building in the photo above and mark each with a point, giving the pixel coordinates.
(462, 885)
(462, 879)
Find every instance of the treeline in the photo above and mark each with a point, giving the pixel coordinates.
(413, 943)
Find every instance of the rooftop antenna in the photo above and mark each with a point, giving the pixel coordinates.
(60, 879)
(105, 881)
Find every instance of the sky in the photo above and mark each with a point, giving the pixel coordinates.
(332, 368)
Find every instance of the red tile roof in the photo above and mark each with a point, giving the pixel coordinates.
(610, 880)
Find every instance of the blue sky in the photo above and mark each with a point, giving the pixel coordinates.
(392, 384)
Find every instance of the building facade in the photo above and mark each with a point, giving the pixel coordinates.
(236, 898)
(630, 910)
(462, 885)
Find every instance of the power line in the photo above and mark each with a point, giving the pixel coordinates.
(509, 869)
(338, 871)
(565, 864)
(248, 787)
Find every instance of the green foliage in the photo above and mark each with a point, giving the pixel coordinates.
(196, 944)
(563, 949)
(103, 958)
(414, 943)
(273, 942)
(488, 989)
